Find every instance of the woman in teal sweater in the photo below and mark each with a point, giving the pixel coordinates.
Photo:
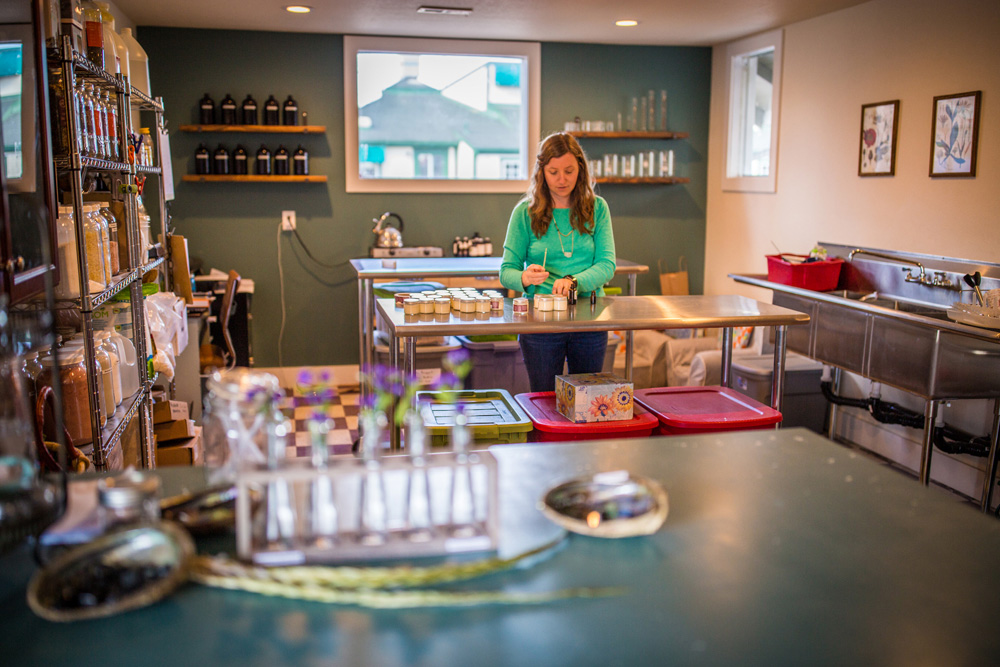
(559, 237)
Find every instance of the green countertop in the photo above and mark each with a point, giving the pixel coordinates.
(781, 548)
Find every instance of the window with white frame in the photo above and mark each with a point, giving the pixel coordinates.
(754, 66)
(432, 115)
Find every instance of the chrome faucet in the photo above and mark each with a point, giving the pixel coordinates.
(940, 279)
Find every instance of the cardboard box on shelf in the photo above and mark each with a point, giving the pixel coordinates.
(168, 411)
(593, 397)
(183, 453)
(175, 430)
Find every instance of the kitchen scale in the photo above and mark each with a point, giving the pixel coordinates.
(415, 251)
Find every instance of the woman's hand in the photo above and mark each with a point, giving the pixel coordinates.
(562, 286)
(534, 275)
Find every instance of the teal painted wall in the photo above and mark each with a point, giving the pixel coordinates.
(235, 226)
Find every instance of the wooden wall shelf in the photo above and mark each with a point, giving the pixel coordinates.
(657, 180)
(251, 178)
(630, 135)
(260, 129)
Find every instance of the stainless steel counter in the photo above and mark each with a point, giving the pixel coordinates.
(369, 270)
(627, 313)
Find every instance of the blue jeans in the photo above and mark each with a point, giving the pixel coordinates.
(544, 355)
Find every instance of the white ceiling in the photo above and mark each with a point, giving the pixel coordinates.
(661, 22)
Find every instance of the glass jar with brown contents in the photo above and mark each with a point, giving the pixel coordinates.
(71, 371)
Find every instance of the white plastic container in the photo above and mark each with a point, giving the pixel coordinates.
(127, 362)
(138, 63)
(103, 339)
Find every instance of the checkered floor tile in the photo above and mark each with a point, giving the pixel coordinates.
(342, 413)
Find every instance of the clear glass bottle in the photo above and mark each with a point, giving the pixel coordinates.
(87, 120)
(94, 241)
(111, 118)
(100, 123)
(145, 236)
(130, 499)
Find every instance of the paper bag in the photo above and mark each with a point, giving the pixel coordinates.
(675, 283)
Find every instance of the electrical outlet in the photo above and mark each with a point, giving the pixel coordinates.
(287, 221)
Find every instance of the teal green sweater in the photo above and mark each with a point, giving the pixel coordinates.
(593, 255)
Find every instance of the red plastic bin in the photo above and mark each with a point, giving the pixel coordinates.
(694, 410)
(820, 276)
(550, 426)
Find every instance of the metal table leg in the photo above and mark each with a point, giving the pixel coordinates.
(831, 431)
(727, 356)
(989, 484)
(778, 377)
(930, 416)
(364, 333)
(630, 335)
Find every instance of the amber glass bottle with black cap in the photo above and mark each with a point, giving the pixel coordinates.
(227, 111)
(300, 162)
(206, 110)
(272, 111)
(262, 167)
(281, 161)
(290, 112)
(248, 111)
(202, 160)
(240, 161)
(220, 161)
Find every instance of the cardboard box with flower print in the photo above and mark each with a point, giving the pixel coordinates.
(593, 397)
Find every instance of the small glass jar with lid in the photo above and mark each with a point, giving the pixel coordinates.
(103, 339)
(105, 388)
(96, 271)
(69, 263)
(112, 250)
(69, 368)
(102, 225)
(128, 500)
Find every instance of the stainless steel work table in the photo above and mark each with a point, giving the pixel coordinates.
(610, 313)
(781, 548)
(370, 269)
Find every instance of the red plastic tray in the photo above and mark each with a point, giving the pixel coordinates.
(821, 276)
(694, 410)
(552, 426)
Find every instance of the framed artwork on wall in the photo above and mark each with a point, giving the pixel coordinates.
(955, 135)
(879, 123)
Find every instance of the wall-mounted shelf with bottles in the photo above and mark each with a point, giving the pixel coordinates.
(251, 178)
(260, 129)
(643, 180)
(628, 134)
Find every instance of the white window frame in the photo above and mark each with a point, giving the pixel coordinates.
(736, 116)
(353, 44)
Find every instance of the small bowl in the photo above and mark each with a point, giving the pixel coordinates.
(608, 504)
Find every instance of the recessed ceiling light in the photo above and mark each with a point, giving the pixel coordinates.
(626, 23)
(298, 9)
(445, 11)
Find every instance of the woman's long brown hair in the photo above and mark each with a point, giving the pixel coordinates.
(581, 199)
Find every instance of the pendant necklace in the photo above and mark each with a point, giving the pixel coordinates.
(572, 243)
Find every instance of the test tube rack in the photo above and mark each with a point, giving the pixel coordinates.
(337, 514)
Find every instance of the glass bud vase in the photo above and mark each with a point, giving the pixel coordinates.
(463, 499)
(372, 502)
(323, 517)
(418, 499)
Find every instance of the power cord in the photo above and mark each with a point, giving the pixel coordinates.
(281, 287)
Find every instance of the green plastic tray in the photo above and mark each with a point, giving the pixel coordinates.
(494, 416)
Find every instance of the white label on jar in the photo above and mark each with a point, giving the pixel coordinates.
(250, 107)
(300, 157)
(221, 157)
(206, 106)
(291, 108)
(240, 157)
(280, 157)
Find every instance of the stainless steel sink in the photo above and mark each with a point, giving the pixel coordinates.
(888, 322)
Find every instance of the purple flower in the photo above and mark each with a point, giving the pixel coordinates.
(457, 357)
(305, 377)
